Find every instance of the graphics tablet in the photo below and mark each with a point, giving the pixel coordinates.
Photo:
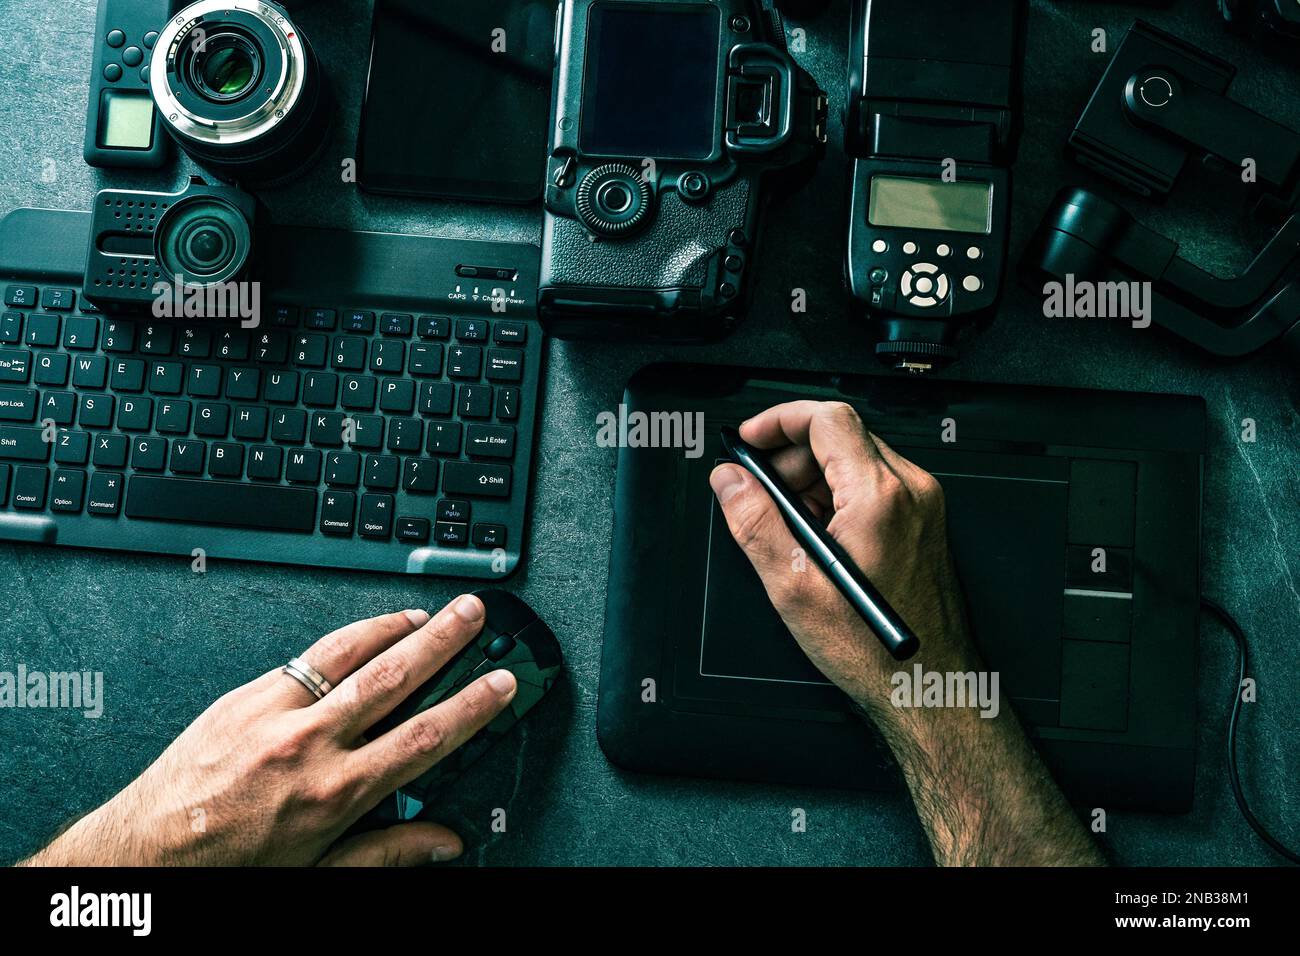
(700, 677)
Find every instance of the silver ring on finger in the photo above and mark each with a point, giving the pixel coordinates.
(309, 677)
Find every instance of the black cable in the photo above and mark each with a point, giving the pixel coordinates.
(1239, 636)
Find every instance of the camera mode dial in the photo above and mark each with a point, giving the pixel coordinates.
(613, 200)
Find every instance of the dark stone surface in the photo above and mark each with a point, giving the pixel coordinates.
(170, 641)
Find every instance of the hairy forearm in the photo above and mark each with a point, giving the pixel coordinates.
(981, 791)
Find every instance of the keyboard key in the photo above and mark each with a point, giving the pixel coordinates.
(464, 361)
(22, 296)
(60, 300)
(359, 392)
(437, 398)
(195, 343)
(135, 414)
(233, 345)
(81, 333)
(188, 457)
(17, 405)
(4, 485)
(23, 444)
(397, 395)
(320, 389)
(421, 476)
(204, 381)
(72, 448)
(59, 407)
(471, 330)
(426, 360)
(227, 503)
(381, 472)
(303, 466)
(338, 512)
(29, 488)
(342, 469)
(15, 366)
(265, 462)
(453, 509)
(226, 460)
(489, 535)
(367, 432)
(127, 375)
(52, 368)
(110, 451)
(321, 319)
(281, 388)
(507, 404)
(414, 530)
(450, 533)
(242, 384)
(396, 323)
(434, 327)
(510, 333)
(387, 356)
(349, 353)
(157, 339)
(105, 494)
(376, 516)
(289, 426)
(505, 365)
(475, 401)
(149, 454)
(309, 349)
(119, 336)
(174, 417)
(210, 420)
(359, 322)
(250, 423)
(271, 346)
(284, 316)
(68, 491)
(90, 371)
(490, 441)
(474, 479)
(11, 329)
(43, 331)
(97, 411)
(167, 378)
(405, 434)
(444, 438)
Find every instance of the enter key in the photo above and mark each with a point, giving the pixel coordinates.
(490, 441)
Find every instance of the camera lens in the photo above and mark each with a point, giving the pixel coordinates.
(203, 239)
(239, 88)
(226, 68)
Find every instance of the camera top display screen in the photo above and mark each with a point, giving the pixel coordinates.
(650, 86)
(903, 201)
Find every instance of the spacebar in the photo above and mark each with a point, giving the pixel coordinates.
(272, 507)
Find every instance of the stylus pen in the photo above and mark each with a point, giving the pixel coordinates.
(830, 557)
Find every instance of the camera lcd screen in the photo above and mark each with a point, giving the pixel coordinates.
(457, 99)
(126, 120)
(902, 201)
(651, 79)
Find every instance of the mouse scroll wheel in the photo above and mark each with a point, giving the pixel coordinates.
(499, 648)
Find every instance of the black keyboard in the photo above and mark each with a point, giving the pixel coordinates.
(380, 416)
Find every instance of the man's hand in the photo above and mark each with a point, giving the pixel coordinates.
(270, 775)
(980, 790)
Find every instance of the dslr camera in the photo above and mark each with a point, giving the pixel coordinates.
(670, 120)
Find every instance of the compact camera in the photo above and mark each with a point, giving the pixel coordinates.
(670, 121)
(148, 245)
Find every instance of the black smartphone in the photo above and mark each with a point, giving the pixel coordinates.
(458, 99)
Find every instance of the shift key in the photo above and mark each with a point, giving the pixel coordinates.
(472, 478)
(27, 444)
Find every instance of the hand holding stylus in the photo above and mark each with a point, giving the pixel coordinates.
(886, 513)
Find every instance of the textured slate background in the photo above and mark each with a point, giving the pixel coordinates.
(170, 641)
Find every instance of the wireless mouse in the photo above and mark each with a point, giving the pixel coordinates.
(514, 638)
